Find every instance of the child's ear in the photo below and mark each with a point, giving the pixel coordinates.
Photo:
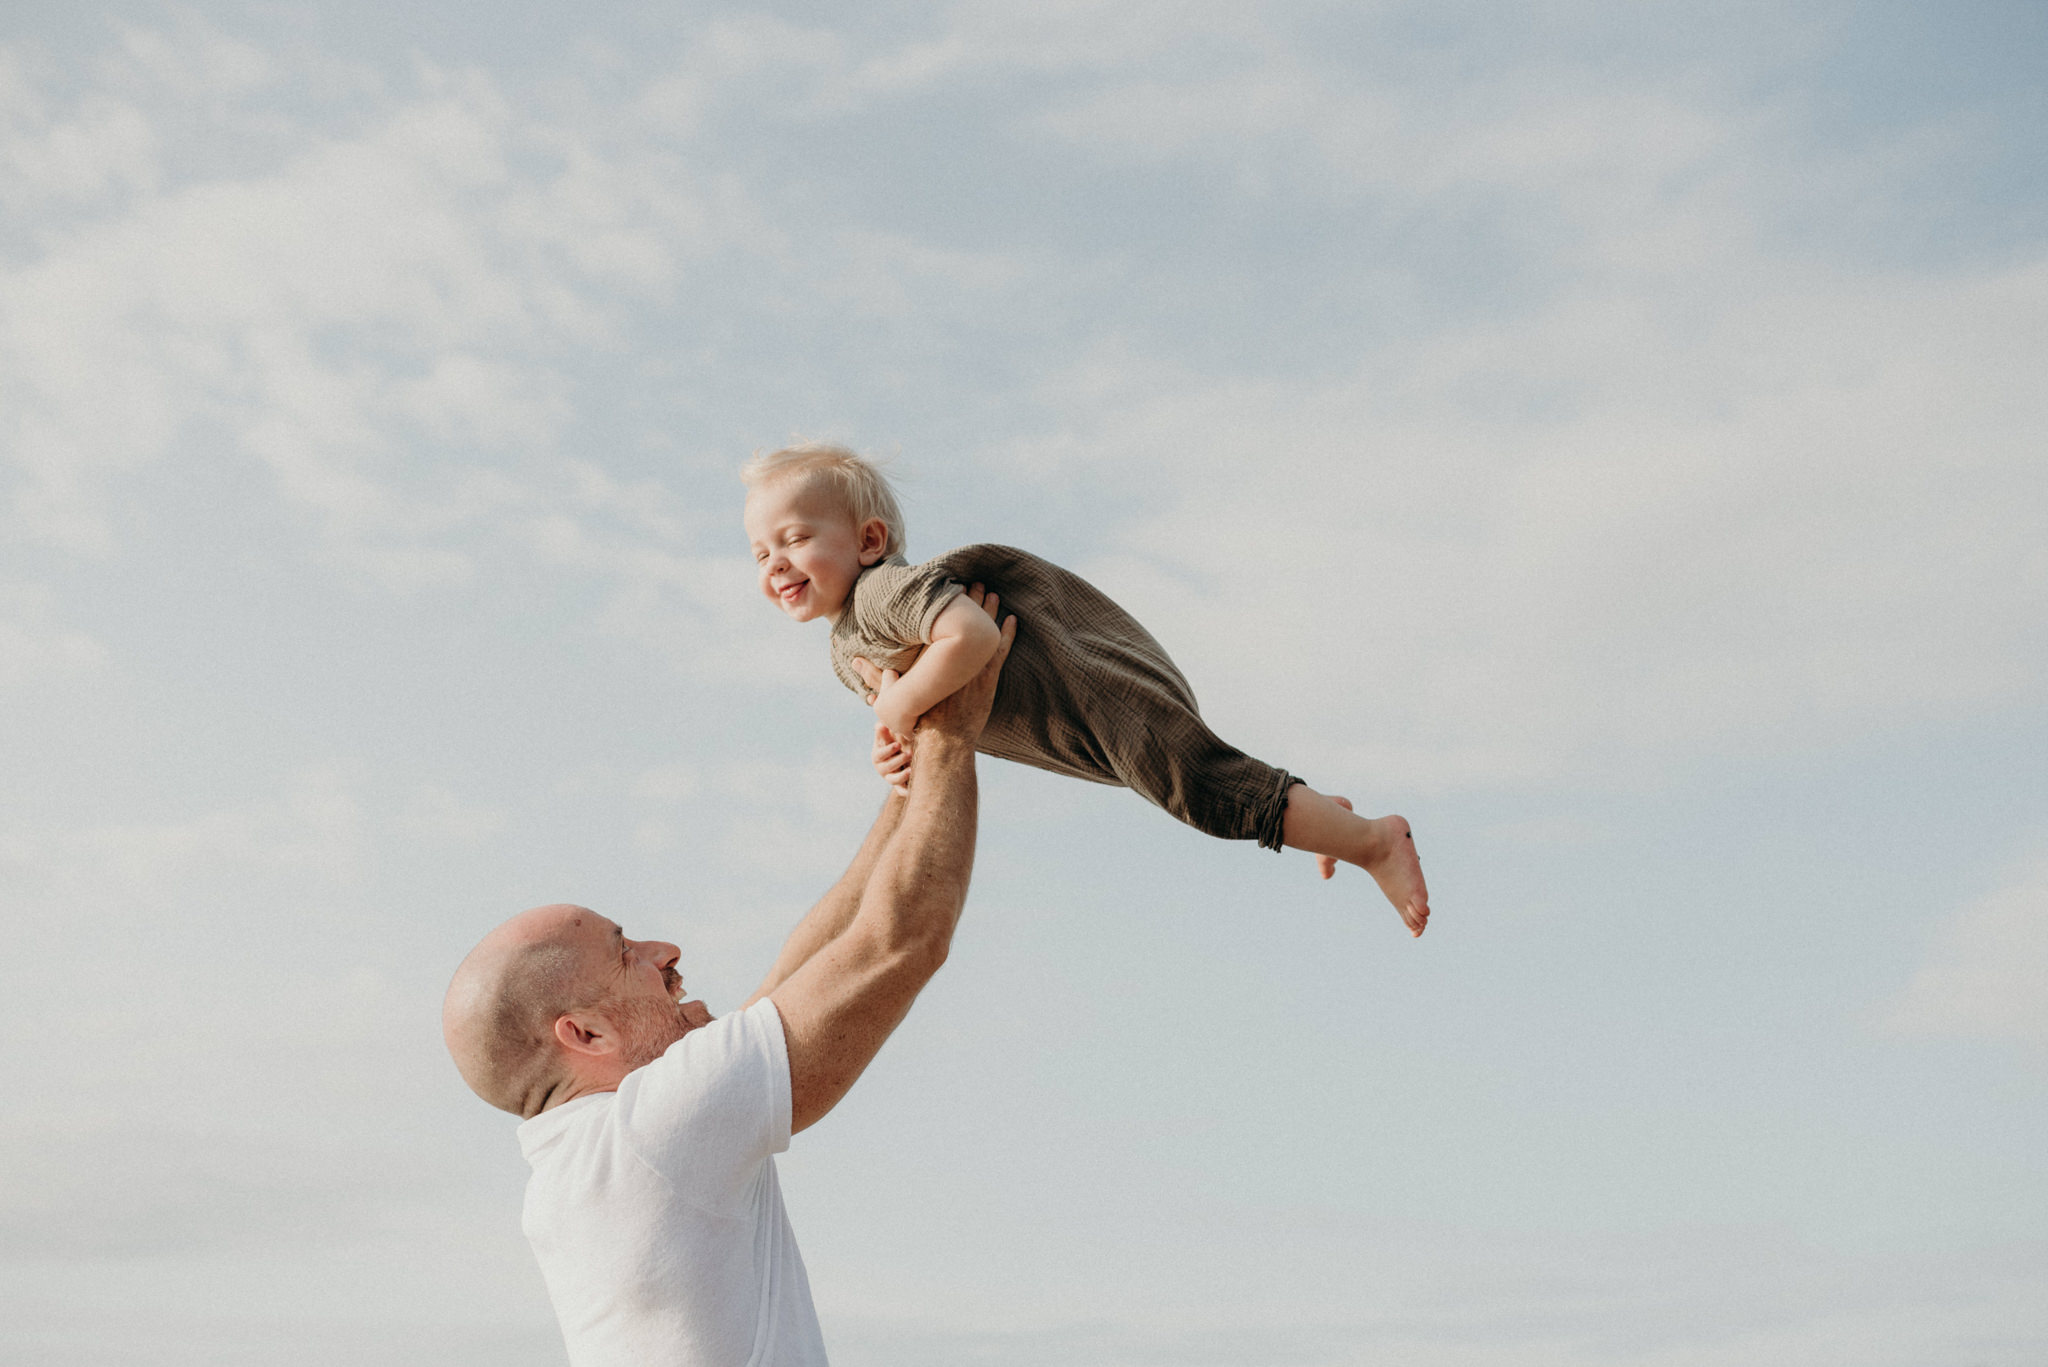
(874, 539)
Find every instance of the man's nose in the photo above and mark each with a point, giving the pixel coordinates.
(664, 954)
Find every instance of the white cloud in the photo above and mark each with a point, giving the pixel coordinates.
(1678, 488)
(434, 813)
(32, 645)
(1987, 974)
(1690, 488)
(1282, 1288)
(87, 874)
(239, 1031)
(103, 144)
(387, 311)
(1605, 532)
(786, 821)
(348, 296)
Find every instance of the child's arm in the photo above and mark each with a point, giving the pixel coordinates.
(963, 640)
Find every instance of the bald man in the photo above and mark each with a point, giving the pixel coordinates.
(653, 1206)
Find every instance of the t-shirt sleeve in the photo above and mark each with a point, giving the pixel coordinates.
(709, 1111)
(897, 604)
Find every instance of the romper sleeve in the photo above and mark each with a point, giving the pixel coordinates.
(889, 616)
(897, 603)
(708, 1112)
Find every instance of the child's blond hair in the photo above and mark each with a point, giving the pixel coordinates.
(853, 479)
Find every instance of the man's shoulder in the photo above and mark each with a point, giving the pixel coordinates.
(748, 1043)
(732, 1073)
(541, 1133)
(700, 1120)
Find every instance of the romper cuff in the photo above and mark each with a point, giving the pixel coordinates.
(1272, 814)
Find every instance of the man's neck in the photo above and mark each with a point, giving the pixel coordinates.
(598, 1075)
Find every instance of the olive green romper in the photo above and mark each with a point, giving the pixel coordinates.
(1086, 691)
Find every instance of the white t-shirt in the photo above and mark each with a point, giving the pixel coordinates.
(656, 1216)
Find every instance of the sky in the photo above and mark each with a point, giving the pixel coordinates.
(1610, 435)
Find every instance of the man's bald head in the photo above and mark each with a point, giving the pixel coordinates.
(500, 1012)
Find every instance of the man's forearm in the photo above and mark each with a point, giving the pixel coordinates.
(840, 1006)
(913, 897)
(835, 910)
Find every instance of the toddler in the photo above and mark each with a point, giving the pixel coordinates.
(1085, 691)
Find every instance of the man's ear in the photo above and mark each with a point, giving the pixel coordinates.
(585, 1033)
(874, 540)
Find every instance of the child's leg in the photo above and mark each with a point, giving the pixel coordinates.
(1382, 846)
(1326, 864)
(1171, 757)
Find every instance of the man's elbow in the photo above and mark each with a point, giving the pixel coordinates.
(922, 955)
(903, 954)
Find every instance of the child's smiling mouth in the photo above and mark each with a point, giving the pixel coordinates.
(789, 593)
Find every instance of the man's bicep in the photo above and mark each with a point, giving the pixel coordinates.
(837, 1012)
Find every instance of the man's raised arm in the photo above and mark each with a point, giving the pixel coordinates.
(826, 921)
(841, 998)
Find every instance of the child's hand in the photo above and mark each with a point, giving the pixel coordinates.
(892, 759)
(890, 711)
(885, 698)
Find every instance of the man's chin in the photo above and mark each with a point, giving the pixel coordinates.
(652, 1026)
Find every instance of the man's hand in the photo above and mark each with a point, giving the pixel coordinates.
(892, 759)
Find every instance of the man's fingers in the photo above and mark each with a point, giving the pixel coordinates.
(984, 600)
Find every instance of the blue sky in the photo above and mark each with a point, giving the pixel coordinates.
(1610, 435)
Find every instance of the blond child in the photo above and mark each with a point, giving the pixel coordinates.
(1085, 692)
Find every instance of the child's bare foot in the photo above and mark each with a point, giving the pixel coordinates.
(1396, 867)
(1382, 846)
